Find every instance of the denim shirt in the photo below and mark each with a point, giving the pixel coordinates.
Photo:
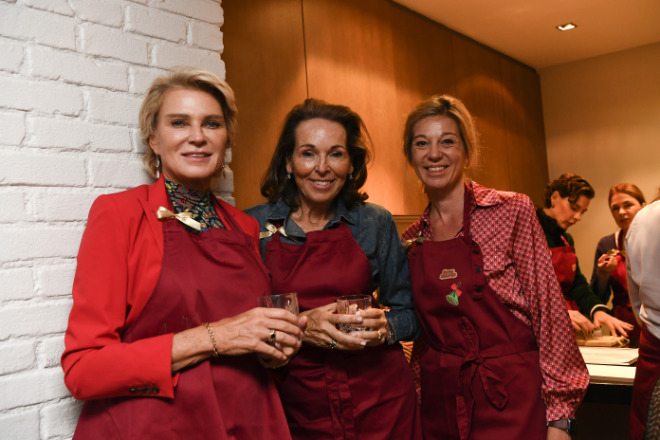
(374, 230)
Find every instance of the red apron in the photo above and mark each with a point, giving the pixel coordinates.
(620, 299)
(564, 261)
(204, 277)
(646, 375)
(481, 376)
(336, 394)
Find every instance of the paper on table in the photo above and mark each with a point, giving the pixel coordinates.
(609, 355)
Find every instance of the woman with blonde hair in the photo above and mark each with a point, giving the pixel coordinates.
(164, 339)
(499, 359)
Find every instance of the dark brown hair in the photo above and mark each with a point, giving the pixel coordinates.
(568, 185)
(275, 184)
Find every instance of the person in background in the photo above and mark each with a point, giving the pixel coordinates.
(164, 339)
(643, 255)
(609, 273)
(566, 200)
(322, 240)
(499, 359)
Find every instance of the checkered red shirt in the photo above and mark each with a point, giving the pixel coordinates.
(518, 267)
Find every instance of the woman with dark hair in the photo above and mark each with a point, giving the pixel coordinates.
(609, 275)
(498, 359)
(320, 238)
(566, 200)
(164, 337)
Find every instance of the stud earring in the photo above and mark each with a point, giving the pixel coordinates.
(288, 176)
(350, 176)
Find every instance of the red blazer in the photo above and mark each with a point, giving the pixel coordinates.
(118, 267)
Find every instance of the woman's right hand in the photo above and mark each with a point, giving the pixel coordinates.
(322, 329)
(248, 332)
(581, 322)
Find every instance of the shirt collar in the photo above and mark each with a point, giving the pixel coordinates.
(280, 212)
(483, 197)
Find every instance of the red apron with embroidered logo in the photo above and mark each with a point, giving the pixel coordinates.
(564, 261)
(204, 277)
(480, 377)
(621, 301)
(647, 373)
(337, 394)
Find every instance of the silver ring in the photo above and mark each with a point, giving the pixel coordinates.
(333, 344)
(273, 335)
(380, 335)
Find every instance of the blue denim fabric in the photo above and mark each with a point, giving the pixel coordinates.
(374, 230)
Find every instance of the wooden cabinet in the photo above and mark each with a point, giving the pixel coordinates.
(380, 59)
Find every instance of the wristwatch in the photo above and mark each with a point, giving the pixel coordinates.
(568, 425)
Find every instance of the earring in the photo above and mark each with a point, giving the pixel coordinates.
(288, 176)
(157, 167)
(350, 176)
(222, 167)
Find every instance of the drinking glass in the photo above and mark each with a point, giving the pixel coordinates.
(287, 301)
(349, 305)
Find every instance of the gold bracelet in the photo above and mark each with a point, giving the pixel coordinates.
(209, 329)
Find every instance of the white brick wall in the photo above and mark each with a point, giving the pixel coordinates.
(72, 77)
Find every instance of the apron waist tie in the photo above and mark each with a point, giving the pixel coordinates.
(472, 363)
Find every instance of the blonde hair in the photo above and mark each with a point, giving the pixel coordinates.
(445, 105)
(186, 77)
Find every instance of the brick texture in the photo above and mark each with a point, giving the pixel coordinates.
(72, 75)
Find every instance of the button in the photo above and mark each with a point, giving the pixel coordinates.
(478, 289)
(132, 390)
(475, 251)
(478, 269)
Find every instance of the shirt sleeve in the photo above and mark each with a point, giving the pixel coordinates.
(393, 280)
(565, 376)
(96, 363)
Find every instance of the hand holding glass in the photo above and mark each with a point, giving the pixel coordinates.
(350, 305)
(287, 301)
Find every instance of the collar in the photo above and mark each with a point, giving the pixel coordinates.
(280, 212)
(548, 223)
(482, 198)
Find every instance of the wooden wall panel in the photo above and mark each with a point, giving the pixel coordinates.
(479, 86)
(265, 62)
(423, 66)
(349, 62)
(525, 137)
(381, 60)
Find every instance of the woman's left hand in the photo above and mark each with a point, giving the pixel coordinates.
(374, 319)
(616, 326)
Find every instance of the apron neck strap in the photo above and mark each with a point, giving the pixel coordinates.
(467, 208)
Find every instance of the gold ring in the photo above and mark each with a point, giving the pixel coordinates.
(333, 344)
(380, 335)
(272, 336)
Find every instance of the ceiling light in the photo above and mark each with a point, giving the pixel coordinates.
(566, 27)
